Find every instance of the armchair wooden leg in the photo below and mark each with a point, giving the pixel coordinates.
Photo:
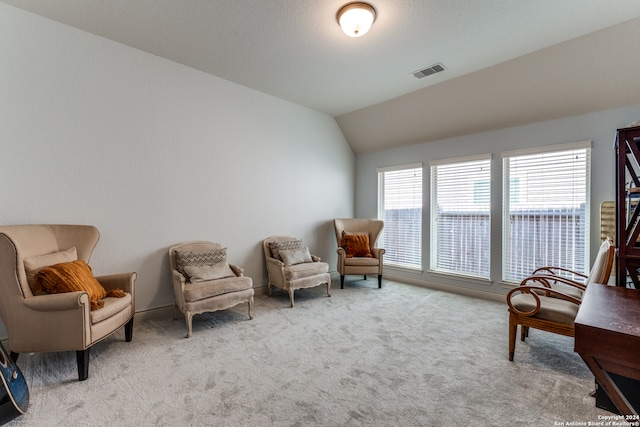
(250, 305)
(291, 296)
(188, 317)
(128, 331)
(513, 329)
(83, 363)
(379, 281)
(342, 281)
(329, 288)
(523, 332)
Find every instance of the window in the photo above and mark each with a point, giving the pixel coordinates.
(545, 215)
(400, 207)
(460, 216)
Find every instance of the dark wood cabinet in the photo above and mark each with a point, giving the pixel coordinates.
(607, 337)
(607, 327)
(627, 146)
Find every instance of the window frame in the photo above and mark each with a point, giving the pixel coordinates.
(508, 276)
(388, 259)
(483, 274)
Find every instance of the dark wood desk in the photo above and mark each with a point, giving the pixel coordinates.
(607, 337)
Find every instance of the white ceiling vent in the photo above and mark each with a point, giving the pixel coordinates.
(436, 68)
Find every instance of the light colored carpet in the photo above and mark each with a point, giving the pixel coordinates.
(397, 356)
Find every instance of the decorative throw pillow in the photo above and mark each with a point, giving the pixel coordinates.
(202, 273)
(35, 263)
(71, 277)
(208, 257)
(276, 247)
(295, 256)
(356, 245)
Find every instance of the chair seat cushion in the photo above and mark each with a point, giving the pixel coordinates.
(298, 271)
(552, 309)
(111, 306)
(566, 289)
(361, 261)
(569, 290)
(211, 288)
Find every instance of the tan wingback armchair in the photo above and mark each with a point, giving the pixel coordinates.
(293, 272)
(212, 285)
(359, 265)
(57, 322)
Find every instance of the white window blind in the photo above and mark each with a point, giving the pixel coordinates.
(461, 216)
(545, 209)
(400, 207)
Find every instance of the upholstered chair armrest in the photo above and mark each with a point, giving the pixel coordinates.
(239, 271)
(275, 269)
(58, 302)
(179, 282)
(275, 262)
(124, 281)
(315, 258)
(178, 278)
(342, 255)
(544, 280)
(378, 252)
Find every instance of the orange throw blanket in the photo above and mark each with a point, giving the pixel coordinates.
(71, 277)
(356, 245)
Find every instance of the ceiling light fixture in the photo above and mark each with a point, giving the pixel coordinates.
(356, 18)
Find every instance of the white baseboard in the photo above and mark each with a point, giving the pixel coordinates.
(154, 313)
(492, 296)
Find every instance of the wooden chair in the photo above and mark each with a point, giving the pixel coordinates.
(539, 302)
(572, 282)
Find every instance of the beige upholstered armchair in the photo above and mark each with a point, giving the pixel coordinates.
(204, 281)
(60, 321)
(357, 253)
(290, 266)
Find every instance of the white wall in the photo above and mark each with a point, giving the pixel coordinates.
(598, 127)
(154, 153)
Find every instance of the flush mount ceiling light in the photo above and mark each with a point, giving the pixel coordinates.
(356, 18)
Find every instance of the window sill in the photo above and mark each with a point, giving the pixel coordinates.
(463, 277)
(509, 285)
(394, 267)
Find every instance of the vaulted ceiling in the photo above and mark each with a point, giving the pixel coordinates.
(506, 62)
